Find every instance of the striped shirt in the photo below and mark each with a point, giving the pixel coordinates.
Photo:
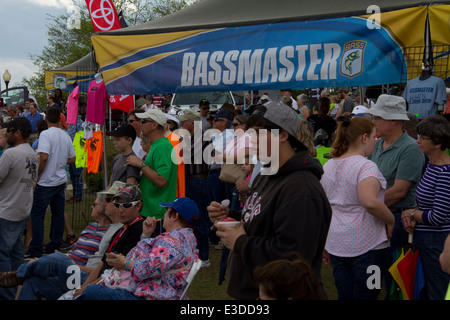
(87, 244)
(433, 198)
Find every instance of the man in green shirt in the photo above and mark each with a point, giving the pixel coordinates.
(400, 161)
(158, 182)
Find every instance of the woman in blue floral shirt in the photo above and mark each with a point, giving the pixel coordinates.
(156, 268)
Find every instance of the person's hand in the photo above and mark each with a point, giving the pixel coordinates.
(115, 260)
(229, 234)
(216, 211)
(326, 257)
(408, 222)
(242, 186)
(148, 226)
(134, 161)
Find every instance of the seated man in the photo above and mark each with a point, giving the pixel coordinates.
(46, 277)
(127, 202)
(157, 268)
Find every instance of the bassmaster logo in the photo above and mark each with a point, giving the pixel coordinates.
(352, 58)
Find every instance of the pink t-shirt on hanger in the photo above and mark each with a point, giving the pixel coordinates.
(96, 99)
(72, 106)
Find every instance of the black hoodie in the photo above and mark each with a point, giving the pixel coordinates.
(285, 212)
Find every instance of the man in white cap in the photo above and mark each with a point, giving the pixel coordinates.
(398, 158)
(159, 173)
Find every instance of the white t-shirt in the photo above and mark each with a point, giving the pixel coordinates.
(58, 145)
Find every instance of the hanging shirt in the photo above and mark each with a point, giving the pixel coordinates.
(94, 151)
(96, 98)
(78, 144)
(72, 106)
(424, 96)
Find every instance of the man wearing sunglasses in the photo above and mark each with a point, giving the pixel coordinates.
(127, 203)
(204, 107)
(18, 172)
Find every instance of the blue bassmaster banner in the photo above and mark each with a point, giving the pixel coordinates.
(322, 53)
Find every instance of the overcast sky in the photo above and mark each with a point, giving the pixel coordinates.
(23, 31)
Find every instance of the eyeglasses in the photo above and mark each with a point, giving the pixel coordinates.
(125, 205)
(9, 130)
(131, 121)
(144, 121)
(217, 119)
(235, 124)
(422, 137)
(205, 108)
(108, 199)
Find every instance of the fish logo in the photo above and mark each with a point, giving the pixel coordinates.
(352, 58)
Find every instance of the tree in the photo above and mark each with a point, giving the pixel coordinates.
(66, 45)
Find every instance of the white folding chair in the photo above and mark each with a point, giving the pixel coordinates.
(194, 269)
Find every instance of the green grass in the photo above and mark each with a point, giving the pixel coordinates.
(205, 285)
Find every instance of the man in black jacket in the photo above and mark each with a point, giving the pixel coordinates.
(286, 211)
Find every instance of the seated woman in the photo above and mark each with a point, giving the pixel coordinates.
(430, 221)
(156, 268)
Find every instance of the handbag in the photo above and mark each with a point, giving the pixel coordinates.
(114, 278)
(232, 173)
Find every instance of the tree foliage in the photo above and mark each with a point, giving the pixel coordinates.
(67, 45)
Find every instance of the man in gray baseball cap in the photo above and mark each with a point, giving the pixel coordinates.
(286, 211)
(399, 159)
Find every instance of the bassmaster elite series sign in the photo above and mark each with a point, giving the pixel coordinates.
(333, 52)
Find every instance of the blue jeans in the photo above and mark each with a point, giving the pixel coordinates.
(43, 197)
(99, 292)
(77, 180)
(11, 251)
(197, 190)
(430, 246)
(47, 277)
(351, 274)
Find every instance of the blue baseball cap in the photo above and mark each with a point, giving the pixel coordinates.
(222, 113)
(185, 207)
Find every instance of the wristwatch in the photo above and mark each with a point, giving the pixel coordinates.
(412, 213)
(143, 165)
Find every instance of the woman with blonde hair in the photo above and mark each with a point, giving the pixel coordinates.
(361, 223)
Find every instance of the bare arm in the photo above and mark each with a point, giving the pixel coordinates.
(43, 159)
(368, 190)
(397, 192)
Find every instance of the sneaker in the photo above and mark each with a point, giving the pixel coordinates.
(29, 256)
(9, 279)
(68, 243)
(205, 263)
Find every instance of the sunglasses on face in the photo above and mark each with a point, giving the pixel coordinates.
(125, 205)
(9, 130)
(235, 124)
(108, 199)
(144, 121)
(94, 204)
(131, 121)
(216, 120)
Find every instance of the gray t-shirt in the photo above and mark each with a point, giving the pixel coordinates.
(18, 170)
(120, 170)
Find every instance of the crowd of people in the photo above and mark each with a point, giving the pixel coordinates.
(381, 180)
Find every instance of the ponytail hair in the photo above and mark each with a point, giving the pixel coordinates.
(348, 131)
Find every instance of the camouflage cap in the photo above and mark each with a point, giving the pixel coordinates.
(129, 193)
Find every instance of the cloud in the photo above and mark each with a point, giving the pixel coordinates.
(52, 3)
(18, 68)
